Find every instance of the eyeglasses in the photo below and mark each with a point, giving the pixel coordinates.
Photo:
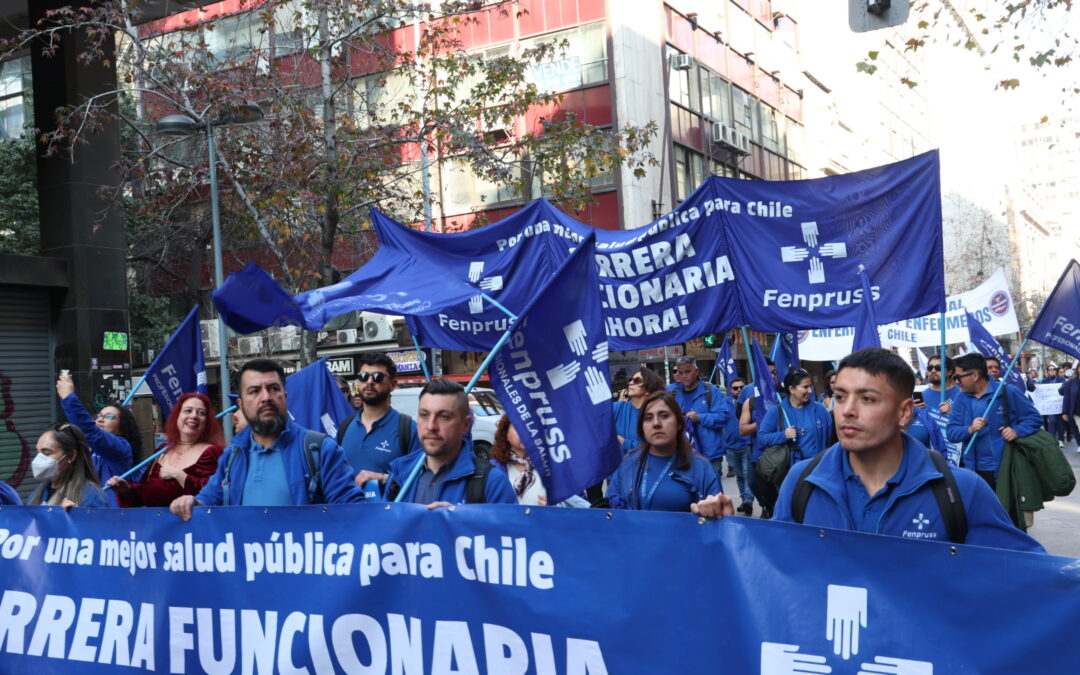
(374, 377)
(736, 387)
(637, 380)
(934, 368)
(961, 376)
(109, 417)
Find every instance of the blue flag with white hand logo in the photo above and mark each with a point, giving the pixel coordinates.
(796, 245)
(552, 378)
(315, 400)
(1058, 323)
(726, 363)
(764, 387)
(785, 353)
(179, 369)
(866, 328)
(986, 345)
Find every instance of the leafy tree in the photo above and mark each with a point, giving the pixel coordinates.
(18, 197)
(366, 103)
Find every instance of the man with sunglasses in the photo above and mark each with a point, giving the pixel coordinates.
(377, 434)
(937, 396)
(969, 417)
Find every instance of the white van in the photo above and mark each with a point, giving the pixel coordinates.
(485, 406)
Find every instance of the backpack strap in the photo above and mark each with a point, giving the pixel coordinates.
(312, 451)
(404, 424)
(476, 487)
(344, 427)
(803, 489)
(948, 499)
(225, 480)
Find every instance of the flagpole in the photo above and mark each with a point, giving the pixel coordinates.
(135, 388)
(1001, 387)
(420, 357)
(943, 347)
(749, 357)
(415, 472)
(157, 454)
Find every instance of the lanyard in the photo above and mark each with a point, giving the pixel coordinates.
(646, 497)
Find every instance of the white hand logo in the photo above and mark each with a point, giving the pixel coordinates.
(475, 270)
(492, 283)
(810, 233)
(845, 613)
(596, 386)
(793, 253)
(563, 374)
(893, 666)
(600, 353)
(836, 249)
(575, 336)
(817, 271)
(781, 659)
(476, 304)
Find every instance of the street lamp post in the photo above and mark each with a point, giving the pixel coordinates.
(182, 125)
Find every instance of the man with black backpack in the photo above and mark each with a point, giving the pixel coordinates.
(449, 471)
(879, 480)
(377, 434)
(274, 461)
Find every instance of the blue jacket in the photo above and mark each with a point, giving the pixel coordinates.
(911, 501)
(626, 416)
(713, 418)
(92, 497)
(732, 439)
(623, 487)
(111, 453)
(497, 489)
(8, 495)
(926, 431)
(813, 435)
(1023, 418)
(374, 451)
(336, 474)
(1071, 391)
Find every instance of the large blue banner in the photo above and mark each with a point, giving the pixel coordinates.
(315, 400)
(796, 246)
(179, 369)
(553, 380)
(1058, 323)
(399, 589)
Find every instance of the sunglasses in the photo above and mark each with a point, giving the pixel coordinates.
(109, 417)
(936, 368)
(736, 387)
(636, 380)
(960, 376)
(374, 377)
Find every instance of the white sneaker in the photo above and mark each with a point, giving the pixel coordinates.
(1061, 444)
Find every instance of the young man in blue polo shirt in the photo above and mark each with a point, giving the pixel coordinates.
(378, 434)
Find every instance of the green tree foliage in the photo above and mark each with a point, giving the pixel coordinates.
(18, 197)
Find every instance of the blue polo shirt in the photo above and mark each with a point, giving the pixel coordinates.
(933, 398)
(427, 483)
(375, 450)
(266, 484)
(865, 510)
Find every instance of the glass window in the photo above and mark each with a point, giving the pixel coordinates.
(743, 110)
(683, 84)
(689, 170)
(14, 82)
(581, 60)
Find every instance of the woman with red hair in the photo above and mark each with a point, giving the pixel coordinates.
(195, 440)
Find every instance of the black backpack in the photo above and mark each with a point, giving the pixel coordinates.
(946, 493)
(312, 451)
(402, 431)
(475, 488)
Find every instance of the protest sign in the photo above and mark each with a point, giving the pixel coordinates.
(377, 588)
(1047, 400)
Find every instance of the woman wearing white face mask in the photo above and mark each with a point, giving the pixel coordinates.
(66, 472)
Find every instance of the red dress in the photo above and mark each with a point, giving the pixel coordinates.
(153, 490)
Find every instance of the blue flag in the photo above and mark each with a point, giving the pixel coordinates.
(1058, 323)
(764, 387)
(552, 378)
(725, 362)
(987, 346)
(785, 353)
(315, 400)
(179, 369)
(866, 331)
(796, 245)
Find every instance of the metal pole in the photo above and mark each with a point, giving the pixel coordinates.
(223, 340)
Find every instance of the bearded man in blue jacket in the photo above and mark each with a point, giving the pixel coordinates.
(879, 480)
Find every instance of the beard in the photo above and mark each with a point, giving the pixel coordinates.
(267, 427)
(376, 399)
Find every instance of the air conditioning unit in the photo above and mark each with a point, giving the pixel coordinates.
(377, 327)
(250, 345)
(349, 336)
(210, 348)
(681, 61)
(290, 343)
(742, 143)
(208, 329)
(720, 133)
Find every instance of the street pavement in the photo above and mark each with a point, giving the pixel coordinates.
(1057, 527)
